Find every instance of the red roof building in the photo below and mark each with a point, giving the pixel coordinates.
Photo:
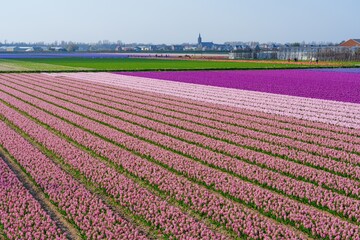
(351, 43)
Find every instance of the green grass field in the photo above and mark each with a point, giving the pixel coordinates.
(135, 64)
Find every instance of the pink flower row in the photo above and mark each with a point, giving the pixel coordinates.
(128, 194)
(255, 100)
(303, 108)
(321, 177)
(224, 211)
(229, 164)
(188, 119)
(222, 112)
(232, 94)
(287, 123)
(321, 223)
(292, 187)
(88, 212)
(20, 213)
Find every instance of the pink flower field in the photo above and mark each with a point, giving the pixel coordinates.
(119, 156)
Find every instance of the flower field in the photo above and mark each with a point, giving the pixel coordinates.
(180, 155)
(338, 84)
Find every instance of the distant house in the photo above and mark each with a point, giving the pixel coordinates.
(145, 48)
(129, 49)
(57, 49)
(25, 49)
(177, 48)
(10, 49)
(190, 47)
(16, 49)
(351, 43)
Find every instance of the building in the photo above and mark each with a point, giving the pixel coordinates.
(177, 48)
(57, 49)
(351, 43)
(304, 53)
(16, 49)
(300, 53)
(204, 45)
(9, 49)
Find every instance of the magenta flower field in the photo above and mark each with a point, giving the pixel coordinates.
(340, 85)
(180, 155)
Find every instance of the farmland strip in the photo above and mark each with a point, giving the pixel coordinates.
(319, 177)
(250, 100)
(263, 102)
(22, 216)
(224, 113)
(192, 123)
(128, 194)
(54, 212)
(79, 206)
(221, 210)
(214, 179)
(182, 147)
(311, 106)
(306, 193)
(302, 83)
(211, 91)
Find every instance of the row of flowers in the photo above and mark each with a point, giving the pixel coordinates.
(100, 81)
(336, 86)
(234, 216)
(252, 98)
(84, 209)
(263, 102)
(21, 214)
(163, 112)
(270, 103)
(339, 183)
(319, 223)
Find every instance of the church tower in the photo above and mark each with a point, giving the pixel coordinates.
(199, 39)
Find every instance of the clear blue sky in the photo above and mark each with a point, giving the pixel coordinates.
(179, 21)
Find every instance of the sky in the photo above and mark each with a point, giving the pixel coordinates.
(176, 22)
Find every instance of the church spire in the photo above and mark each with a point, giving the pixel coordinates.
(199, 39)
